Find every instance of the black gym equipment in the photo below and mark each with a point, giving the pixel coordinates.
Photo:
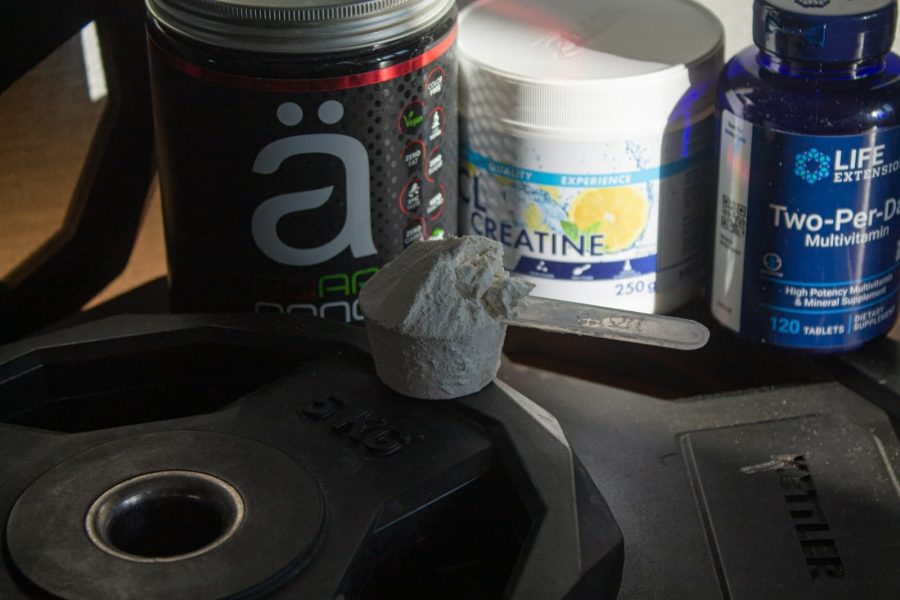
(260, 456)
(211, 457)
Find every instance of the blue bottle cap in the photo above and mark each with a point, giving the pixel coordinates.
(825, 30)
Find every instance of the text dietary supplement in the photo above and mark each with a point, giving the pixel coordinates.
(302, 144)
(586, 144)
(807, 248)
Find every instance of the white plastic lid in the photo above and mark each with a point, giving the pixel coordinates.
(588, 64)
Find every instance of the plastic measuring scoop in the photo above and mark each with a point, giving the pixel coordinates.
(561, 316)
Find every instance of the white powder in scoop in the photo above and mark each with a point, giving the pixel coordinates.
(433, 316)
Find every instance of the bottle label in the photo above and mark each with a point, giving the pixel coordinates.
(286, 195)
(609, 223)
(807, 249)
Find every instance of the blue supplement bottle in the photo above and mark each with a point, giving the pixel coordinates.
(807, 246)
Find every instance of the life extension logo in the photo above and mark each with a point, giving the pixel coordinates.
(812, 166)
(846, 166)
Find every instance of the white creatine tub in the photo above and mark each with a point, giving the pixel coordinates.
(586, 135)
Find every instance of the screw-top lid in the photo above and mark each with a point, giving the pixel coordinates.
(825, 30)
(584, 66)
(298, 26)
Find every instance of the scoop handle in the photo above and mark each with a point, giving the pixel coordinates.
(582, 319)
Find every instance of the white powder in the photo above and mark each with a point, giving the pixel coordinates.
(432, 316)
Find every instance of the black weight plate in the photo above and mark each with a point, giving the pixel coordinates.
(46, 527)
(481, 498)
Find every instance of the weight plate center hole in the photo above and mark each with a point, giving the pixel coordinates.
(165, 516)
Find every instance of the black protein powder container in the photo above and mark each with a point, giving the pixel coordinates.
(302, 144)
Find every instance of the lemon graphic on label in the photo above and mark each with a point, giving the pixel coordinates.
(619, 214)
(534, 218)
